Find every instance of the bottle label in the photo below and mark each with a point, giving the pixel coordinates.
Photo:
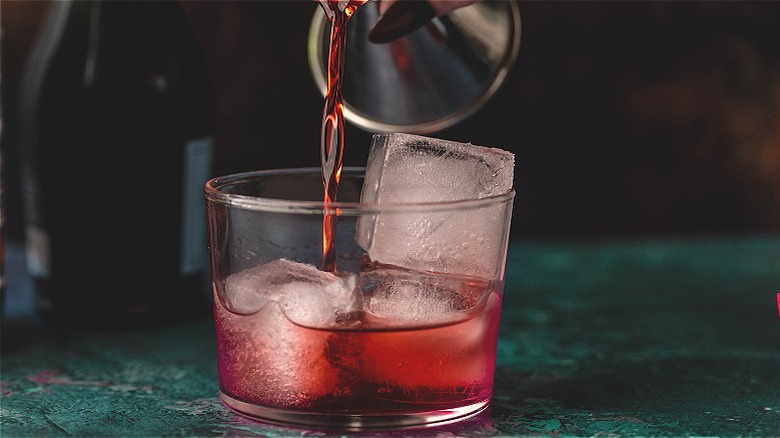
(37, 251)
(198, 158)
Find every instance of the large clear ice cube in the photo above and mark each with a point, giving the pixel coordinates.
(269, 320)
(306, 295)
(395, 297)
(408, 168)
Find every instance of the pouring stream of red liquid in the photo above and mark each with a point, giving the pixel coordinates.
(332, 135)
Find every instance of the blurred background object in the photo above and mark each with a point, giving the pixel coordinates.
(114, 132)
(627, 118)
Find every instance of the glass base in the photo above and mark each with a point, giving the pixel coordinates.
(286, 417)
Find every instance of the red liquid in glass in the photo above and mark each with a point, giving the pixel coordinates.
(269, 360)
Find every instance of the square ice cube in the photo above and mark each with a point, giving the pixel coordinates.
(413, 168)
(408, 168)
(399, 297)
(267, 351)
(306, 295)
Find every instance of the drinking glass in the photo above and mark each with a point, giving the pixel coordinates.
(366, 344)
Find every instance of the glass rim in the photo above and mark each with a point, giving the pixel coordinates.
(213, 192)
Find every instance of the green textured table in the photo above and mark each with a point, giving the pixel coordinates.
(622, 338)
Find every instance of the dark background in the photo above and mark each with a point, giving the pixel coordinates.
(626, 117)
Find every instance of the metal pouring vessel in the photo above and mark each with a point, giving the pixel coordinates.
(428, 80)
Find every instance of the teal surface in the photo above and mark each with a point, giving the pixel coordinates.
(622, 338)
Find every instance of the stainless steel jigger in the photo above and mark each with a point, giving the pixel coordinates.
(427, 80)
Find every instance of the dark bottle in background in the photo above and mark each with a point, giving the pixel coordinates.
(2, 201)
(116, 142)
(2, 222)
